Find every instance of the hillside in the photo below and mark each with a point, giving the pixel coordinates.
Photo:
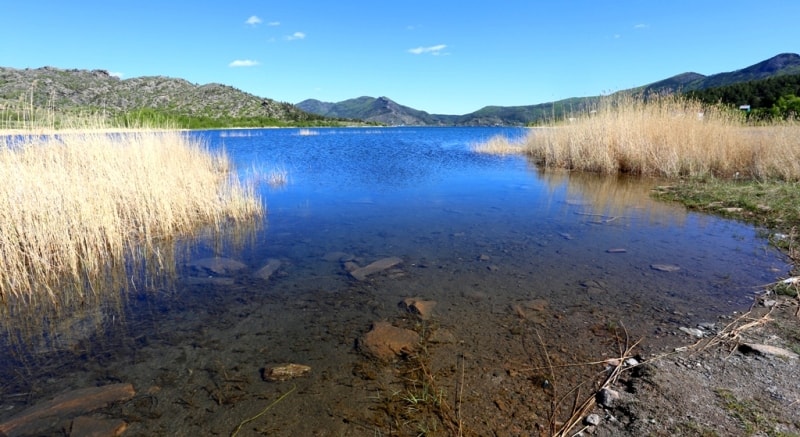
(217, 105)
(99, 92)
(781, 65)
(387, 111)
(377, 110)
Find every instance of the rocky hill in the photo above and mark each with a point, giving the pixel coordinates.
(98, 91)
(389, 112)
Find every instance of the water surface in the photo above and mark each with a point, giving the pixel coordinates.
(517, 259)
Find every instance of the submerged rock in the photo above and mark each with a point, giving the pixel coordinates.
(386, 342)
(284, 372)
(269, 269)
(418, 306)
(336, 256)
(376, 267)
(665, 267)
(218, 265)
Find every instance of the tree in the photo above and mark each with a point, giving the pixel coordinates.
(787, 106)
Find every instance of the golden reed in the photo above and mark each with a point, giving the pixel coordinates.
(665, 136)
(77, 203)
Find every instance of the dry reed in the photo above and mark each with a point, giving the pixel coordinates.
(74, 204)
(499, 145)
(668, 136)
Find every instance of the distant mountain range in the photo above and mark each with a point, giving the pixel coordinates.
(384, 110)
(100, 92)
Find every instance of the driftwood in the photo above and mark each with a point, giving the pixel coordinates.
(45, 416)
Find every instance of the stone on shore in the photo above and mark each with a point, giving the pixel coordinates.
(386, 342)
(376, 267)
(765, 349)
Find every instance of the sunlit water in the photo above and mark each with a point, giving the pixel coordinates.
(492, 240)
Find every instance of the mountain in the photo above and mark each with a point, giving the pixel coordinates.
(377, 110)
(386, 111)
(780, 65)
(98, 91)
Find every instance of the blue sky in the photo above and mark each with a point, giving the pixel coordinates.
(445, 57)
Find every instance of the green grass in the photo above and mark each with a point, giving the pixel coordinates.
(751, 414)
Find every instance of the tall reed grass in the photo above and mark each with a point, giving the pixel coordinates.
(77, 203)
(668, 136)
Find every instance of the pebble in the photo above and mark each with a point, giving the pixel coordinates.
(606, 397)
(592, 419)
(692, 331)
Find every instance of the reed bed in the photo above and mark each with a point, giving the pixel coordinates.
(78, 203)
(499, 145)
(668, 136)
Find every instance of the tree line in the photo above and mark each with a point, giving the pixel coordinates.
(776, 97)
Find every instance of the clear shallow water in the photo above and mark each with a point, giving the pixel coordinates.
(495, 242)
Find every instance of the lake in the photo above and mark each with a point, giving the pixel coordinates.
(508, 274)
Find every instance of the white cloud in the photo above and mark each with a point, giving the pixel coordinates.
(116, 74)
(253, 21)
(296, 35)
(434, 50)
(641, 26)
(274, 23)
(243, 63)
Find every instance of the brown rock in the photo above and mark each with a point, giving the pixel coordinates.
(386, 342)
(420, 307)
(537, 305)
(378, 266)
(283, 372)
(85, 426)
